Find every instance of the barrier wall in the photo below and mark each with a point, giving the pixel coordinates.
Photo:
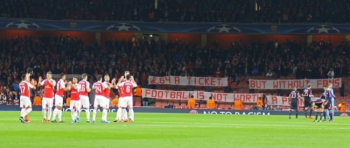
(186, 111)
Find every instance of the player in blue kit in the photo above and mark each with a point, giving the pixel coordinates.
(294, 96)
(328, 103)
(307, 94)
(331, 102)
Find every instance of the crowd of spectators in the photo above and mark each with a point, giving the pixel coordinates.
(302, 11)
(64, 54)
(292, 11)
(203, 10)
(130, 10)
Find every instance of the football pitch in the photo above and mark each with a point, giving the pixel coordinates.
(174, 131)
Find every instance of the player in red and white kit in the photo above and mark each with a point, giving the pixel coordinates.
(47, 101)
(128, 87)
(100, 99)
(61, 87)
(75, 104)
(84, 96)
(121, 112)
(28, 74)
(107, 91)
(25, 102)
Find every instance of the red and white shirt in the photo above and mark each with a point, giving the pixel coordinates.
(25, 88)
(99, 88)
(48, 88)
(60, 87)
(107, 92)
(74, 93)
(121, 91)
(128, 87)
(84, 85)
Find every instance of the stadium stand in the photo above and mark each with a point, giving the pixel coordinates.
(241, 61)
(282, 11)
(131, 10)
(71, 55)
(302, 11)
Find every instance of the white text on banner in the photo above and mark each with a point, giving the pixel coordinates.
(289, 84)
(199, 95)
(193, 81)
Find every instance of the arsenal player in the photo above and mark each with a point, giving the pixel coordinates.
(61, 87)
(121, 112)
(84, 96)
(75, 104)
(107, 91)
(128, 87)
(47, 101)
(25, 102)
(28, 74)
(100, 99)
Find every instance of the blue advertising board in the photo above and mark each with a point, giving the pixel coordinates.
(161, 27)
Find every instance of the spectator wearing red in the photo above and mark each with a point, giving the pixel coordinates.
(218, 73)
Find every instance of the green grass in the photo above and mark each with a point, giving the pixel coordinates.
(175, 131)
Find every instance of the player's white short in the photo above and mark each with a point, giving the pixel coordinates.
(121, 101)
(58, 100)
(75, 104)
(107, 102)
(25, 102)
(47, 102)
(128, 102)
(85, 102)
(99, 101)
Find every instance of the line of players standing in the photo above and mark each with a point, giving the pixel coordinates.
(323, 106)
(79, 97)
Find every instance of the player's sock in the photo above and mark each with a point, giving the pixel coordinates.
(327, 113)
(23, 112)
(124, 114)
(55, 112)
(78, 113)
(305, 113)
(50, 113)
(118, 116)
(104, 115)
(321, 116)
(324, 115)
(26, 118)
(131, 114)
(87, 114)
(296, 113)
(44, 113)
(94, 115)
(331, 116)
(27, 111)
(310, 113)
(316, 116)
(59, 115)
(73, 115)
(290, 113)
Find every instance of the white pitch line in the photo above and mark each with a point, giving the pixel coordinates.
(243, 126)
(255, 123)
